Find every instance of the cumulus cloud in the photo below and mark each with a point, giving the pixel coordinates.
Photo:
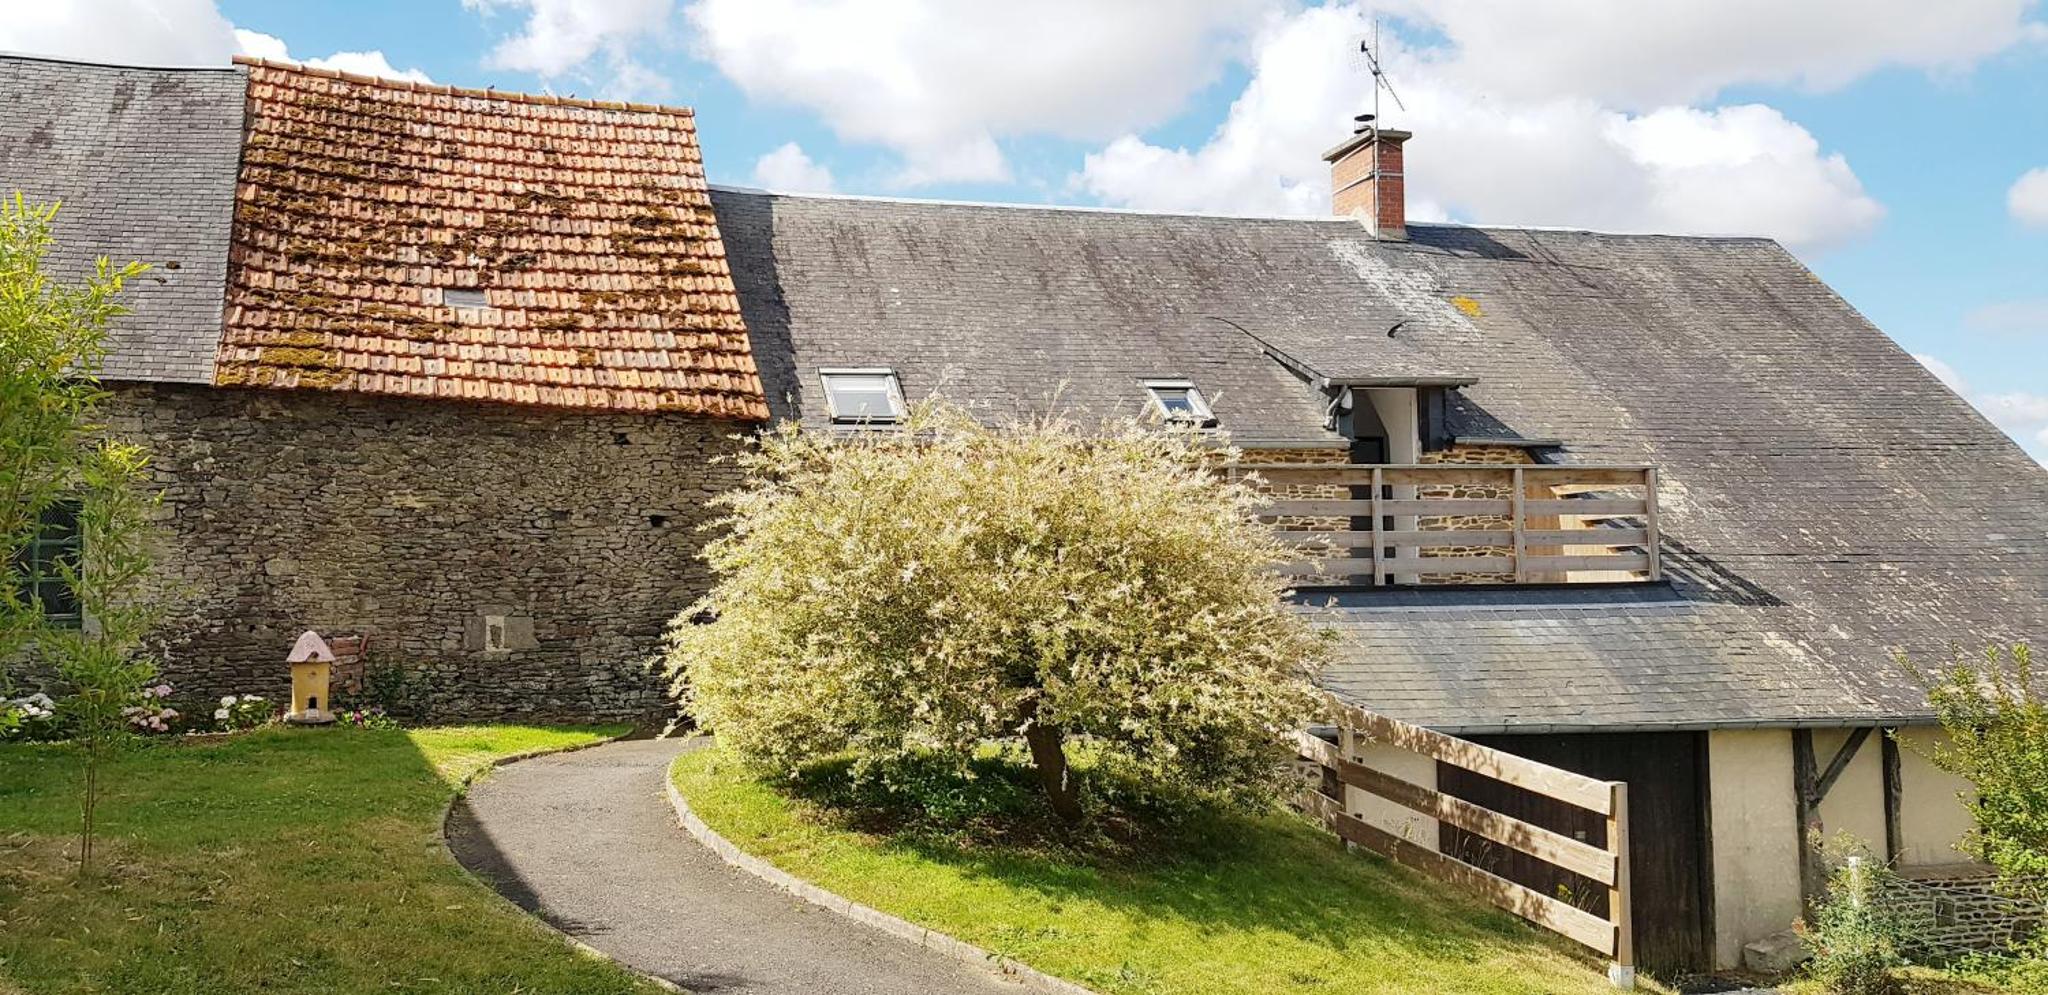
(589, 40)
(372, 63)
(1645, 54)
(2028, 198)
(135, 32)
(942, 82)
(160, 33)
(1564, 161)
(791, 170)
(2023, 415)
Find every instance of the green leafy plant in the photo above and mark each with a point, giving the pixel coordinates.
(950, 584)
(242, 712)
(55, 456)
(390, 687)
(1996, 718)
(1854, 933)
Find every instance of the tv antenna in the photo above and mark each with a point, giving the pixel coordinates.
(1370, 48)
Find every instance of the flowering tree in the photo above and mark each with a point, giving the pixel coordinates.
(952, 584)
(81, 614)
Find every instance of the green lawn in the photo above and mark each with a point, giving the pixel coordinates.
(1265, 904)
(285, 860)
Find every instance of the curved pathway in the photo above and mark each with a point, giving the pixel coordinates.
(588, 841)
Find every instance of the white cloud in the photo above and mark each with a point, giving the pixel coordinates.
(371, 63)
(135, 32)
(2028, 198)
(2021, 317)
(564, 37)
(2023, 415)
(1563, 161)
(941, 82)
(1644, 54)
(791, 170)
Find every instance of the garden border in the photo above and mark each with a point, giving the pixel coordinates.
(448, 852)
(903, 929)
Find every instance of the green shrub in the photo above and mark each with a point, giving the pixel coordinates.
(1996, 718)
(934, 589)
(1854, 934)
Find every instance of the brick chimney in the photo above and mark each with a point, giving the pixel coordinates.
(1365, 181)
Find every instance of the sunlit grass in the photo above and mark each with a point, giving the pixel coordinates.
(1238, 904)
(285, 860)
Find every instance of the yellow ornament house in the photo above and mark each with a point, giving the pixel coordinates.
(312, 663)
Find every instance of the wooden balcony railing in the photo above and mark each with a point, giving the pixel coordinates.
(1447, 523)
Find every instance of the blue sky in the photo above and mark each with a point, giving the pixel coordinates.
(1892, 144)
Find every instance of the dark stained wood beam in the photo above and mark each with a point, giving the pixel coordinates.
(1839, 764)
(1806, 798)
(1894, 796)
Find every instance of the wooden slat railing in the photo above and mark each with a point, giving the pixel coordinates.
(1343, 769)
(1376, 525)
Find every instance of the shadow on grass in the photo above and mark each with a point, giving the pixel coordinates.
(1153, 856)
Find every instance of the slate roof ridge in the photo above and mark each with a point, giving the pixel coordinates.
(512, 96)
(10, 55)
(733, 188)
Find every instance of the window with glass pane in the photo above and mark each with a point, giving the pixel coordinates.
(863, 395)
(1180, 402)
(55, 545)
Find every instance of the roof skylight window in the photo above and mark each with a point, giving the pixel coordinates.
(863, 397)
(1180, 402)
(467, 300)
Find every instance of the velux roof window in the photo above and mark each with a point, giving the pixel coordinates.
(863, 397)
(1179, 402)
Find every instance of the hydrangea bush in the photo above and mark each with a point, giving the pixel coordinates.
(951, 584)
(244, 711)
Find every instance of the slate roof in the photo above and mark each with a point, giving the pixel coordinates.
(143, 161)
(1824, 498)
(1001, 306)
(364, 203)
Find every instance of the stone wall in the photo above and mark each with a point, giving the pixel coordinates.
(568, 539)
(1468, 455)
(1949, 914)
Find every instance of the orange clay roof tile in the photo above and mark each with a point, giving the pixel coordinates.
(586, 225)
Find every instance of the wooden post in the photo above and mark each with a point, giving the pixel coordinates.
(1378, 577)
(1519, 524)
(1894, 795)
(1806, 802)
(1651, 539)
(1622, 972)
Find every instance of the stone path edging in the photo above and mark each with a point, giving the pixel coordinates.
(873, 918)
(448, 852)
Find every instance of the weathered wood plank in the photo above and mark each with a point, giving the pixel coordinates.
(1435, 566)
(1585, 506)
(1586, 537)
(1563, 785)
(1447, 537)
(1619, 561)
(1445, 506)
(1565, 475)
(1332, 508)
(1326, 538)
(1327, 566)
(1437, 474)
(1536, 841)
(1620, 903)
(1574, 924)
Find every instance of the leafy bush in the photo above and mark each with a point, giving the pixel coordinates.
(389, 688)
(1855, 935)
(950, 584)
(238, 712)
(1996, 719)
(367, 718)
(152, 711)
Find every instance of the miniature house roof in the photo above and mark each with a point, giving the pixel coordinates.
(311, 649)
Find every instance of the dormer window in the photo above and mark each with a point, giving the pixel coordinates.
(1179, 402)
(863, 397)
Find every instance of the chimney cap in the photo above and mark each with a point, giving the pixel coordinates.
(1364, 138)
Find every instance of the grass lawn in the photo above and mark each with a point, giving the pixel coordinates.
(1266, 904)
(284, 860)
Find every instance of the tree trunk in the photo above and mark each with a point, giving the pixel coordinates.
(1050, 758)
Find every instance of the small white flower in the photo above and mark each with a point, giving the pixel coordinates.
(220, 714)
(227, 701)
(252, 697)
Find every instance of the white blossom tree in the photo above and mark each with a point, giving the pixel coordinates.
(948, 584)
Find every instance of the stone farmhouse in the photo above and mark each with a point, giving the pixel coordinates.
(450, 368)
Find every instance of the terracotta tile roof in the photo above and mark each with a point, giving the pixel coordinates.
(586, 226)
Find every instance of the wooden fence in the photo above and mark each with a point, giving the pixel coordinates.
(1342, 767)
(1372, 525)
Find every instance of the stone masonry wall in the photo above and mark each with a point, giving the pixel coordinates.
(415, 521)
(1468, 455)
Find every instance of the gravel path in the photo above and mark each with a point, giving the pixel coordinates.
(587, 841)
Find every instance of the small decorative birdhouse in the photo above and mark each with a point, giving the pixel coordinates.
(312, 662)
